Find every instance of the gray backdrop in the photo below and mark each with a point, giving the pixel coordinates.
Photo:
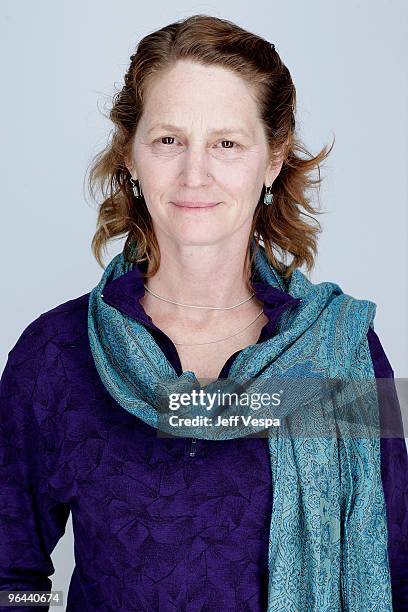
(60, 63)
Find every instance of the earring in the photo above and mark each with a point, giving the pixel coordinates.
(137, 193)
(268, 195)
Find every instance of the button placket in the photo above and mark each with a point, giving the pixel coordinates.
(193, 447)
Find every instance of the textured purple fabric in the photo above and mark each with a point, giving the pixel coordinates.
(160, 524)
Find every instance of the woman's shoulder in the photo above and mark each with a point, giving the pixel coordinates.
(61, 325)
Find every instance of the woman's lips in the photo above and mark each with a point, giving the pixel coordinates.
(195, 205)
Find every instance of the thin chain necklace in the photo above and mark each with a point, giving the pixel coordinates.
(194, 306)
(211, 308)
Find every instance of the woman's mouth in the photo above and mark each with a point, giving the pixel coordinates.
(195, 205)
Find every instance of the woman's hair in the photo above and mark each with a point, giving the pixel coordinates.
(211, 41)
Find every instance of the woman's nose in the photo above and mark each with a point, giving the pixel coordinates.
(195, 166)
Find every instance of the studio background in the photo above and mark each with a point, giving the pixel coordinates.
(60, 64)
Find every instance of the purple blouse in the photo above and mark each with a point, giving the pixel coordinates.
(160, 524)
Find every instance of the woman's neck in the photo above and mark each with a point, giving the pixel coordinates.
(211, 275)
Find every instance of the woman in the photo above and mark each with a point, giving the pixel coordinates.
(198, 517)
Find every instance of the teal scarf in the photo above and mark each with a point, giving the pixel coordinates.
(328, 531)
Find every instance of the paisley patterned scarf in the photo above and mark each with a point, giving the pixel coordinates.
(328, 531)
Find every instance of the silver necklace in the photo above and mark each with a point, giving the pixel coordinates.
(194, 306)
(211, 308)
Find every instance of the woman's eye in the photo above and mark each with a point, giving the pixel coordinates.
(166, 138)
(229, 141)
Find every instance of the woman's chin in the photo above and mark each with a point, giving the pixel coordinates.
(194, 236)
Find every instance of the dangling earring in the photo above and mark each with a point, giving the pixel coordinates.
(268, 195)
(137, 193)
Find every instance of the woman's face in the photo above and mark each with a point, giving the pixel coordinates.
(199, 141)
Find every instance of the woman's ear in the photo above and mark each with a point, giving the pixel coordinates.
(281, 156)
(129, 165)
(276, 163)
(274, 167)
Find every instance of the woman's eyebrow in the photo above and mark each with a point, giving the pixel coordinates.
(175, 128)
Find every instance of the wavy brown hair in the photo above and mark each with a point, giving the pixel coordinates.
(211, 41)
